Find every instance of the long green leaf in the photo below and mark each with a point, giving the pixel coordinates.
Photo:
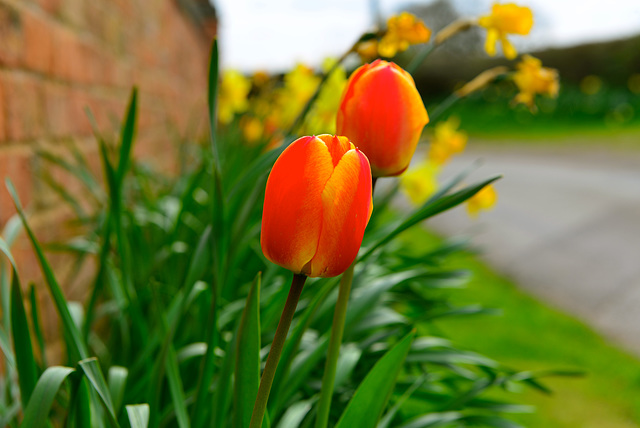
(77, 348)
(37, 411)
(117, 381)
(138, 415)
(212, 97)
(431, 208)
(94, 374)
(27, 368)
(35, 320)
(247, 377)
(127, 136)
(368, 402)
(176, 388)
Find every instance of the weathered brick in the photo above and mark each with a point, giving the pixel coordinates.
(37, 43)
(15, 164)
(23, 100)
(11, 36)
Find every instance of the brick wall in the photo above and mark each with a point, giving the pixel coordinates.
(59, 56)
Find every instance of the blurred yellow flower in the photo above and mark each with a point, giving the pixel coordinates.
(299, 85)
(484, 200)
(368, 50)
(447, 140)
(505, 19)
(322, 117)
(532, 78)
(420, 182)
(252, 128)
(232, 99)
(260, 78)
(402, 31)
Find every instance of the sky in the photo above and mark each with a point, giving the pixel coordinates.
(274, 35)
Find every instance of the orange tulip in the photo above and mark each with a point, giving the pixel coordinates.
(317, 204)
(382, 113)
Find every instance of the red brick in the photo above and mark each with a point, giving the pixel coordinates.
(51, 6)
(37, 43)
(56, 107)
(11, 36)
(67, 59)
(22, 96)
(3, 132)
(15, 164)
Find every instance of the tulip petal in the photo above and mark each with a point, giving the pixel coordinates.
(346, 201)
(383, 115)
(293, 204)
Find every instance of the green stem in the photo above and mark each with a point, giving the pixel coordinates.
(419, 58)
(443, 106)
(337, 329)
(266, 381)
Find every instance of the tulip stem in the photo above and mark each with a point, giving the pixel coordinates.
(337, 329)
(279, 339)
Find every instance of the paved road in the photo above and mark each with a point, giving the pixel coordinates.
(566, 228)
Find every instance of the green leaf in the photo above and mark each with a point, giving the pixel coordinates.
(295, 414)
(127, 136)
(94, 374)
(176, 388)
(212, 96)
(388, 417)
(27, 368)
(370, 399)
(80, 402)
(138, 415)
(77, 348)
(117, 381)
(433, 420)
(431, 208)
(247, 377)
(35, 320)
(37, 410)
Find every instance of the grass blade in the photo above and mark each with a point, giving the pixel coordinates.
(176, 388)
(368, 402)
(138, 415)
(26, 364)
(117, 381)
(35, 321)
(127, 136)
(37, 411)
(94, 374)
(77, 348)
(248, 358)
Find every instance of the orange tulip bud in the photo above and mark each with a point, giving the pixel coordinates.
(317, 204)
(382, 113)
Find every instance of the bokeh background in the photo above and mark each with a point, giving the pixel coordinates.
(566, 228)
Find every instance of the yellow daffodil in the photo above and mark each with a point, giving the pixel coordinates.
(234, 89)
(484, 200)
(420, 182)
(505, 19)
(368, 50)
(532, 78)
(402, 31)
(252, 128)
(447, 141)
(322, 117)
(299, 85)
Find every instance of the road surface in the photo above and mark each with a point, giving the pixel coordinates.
(566, 228)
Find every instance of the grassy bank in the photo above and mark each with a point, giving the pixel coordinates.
(531, 334)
